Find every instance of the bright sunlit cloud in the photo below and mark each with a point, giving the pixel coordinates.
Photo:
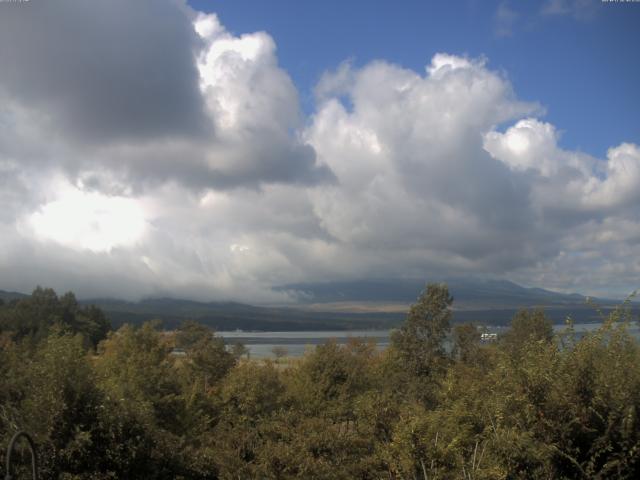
(89, 220)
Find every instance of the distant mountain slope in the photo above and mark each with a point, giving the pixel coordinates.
(467, 293)
(232, 315)
(8, 296)
(481, 301)
(339, 306)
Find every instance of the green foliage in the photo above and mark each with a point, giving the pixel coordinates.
(33, 317)
(134, 368)
(420, 340)
(527, 327)
(330, 381)
(54, 396)
(252, 392)
(431, 406)
(418, 357)
(190, 334)
(207, 358)
(466, 343)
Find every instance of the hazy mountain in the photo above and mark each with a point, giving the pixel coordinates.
(232, 315)
(358, 305)
(8, 296)
(467, 293)
(354, 305)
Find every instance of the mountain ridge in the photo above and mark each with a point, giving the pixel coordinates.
(351, 305)
(467, 293)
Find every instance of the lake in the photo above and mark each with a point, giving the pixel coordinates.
(261, 344)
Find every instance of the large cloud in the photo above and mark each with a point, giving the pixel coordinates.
(232, 192)
(255, 108)
(125, 96)
(414, 181)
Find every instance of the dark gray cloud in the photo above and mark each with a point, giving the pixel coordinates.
(136, 168)
(101, 71)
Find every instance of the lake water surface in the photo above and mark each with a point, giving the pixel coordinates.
(261, 344)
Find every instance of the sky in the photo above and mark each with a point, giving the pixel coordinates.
(217, 150)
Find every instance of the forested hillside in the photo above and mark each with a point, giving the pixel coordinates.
(119, 404)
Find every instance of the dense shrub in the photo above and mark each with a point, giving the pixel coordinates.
(530, 406)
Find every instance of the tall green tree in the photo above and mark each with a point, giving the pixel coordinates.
(527, 326)
(207, 358)
(55, 398)
(34, 317)
(466, 342)
(419, 345)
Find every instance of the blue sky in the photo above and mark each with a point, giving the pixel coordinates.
(580, 64)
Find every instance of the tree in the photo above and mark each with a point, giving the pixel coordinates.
(33, 317)
(466, 342)
(329, 379)
(190, 333)
(420, 340)
(417, 348)
(134, 366)
(61, 406)
(92, 323)
(527, 326)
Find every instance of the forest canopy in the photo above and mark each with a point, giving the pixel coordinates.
(104, 404)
